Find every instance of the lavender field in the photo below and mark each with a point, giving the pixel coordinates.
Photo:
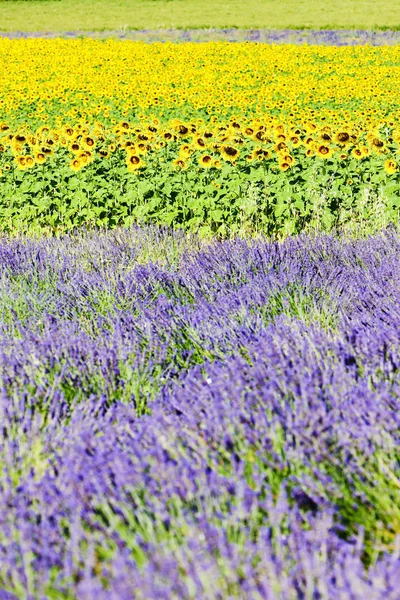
(191, 420)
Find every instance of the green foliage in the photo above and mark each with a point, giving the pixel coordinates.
(89, 15)
(243, 199)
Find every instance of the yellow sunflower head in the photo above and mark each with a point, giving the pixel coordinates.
(29, 162)
(229, 153)
(323, 151)
(20, 162)
(357, 153)
(342, 138)
(180, 163)
(88, 142)
(390, 166)
(377, 145)
(134, 162)
(217, 164)
(76, 164)
(199, 143)
(40, 158)
(205, 161)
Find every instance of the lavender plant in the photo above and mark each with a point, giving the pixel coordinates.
(181, 420)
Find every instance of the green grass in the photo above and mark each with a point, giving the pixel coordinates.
(64, 15)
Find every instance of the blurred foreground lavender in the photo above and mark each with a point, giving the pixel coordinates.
(180, 421)
(323, 37)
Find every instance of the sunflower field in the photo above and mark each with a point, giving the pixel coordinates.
(199, 319)
(216, 138)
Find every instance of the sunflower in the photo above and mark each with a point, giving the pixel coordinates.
(229, 153)
(68, 131)
(281, 147)
(180, 163)
(377, 145)
(76, 164)
(182, 130)
(29, 162)
(342, 138)
(130, 149)
(88, 142)
(217, 164)
(21, 162)
(85, 157)
(205, 161)
(74, 147)
(284, 166)
(185, 151)
(323, 151)
(357, 153)
(288, 159)
(343, 156)
(143, 148)
(134, 162)
(258, 154)
(295, 141)
(199, 143)
(325, 137)
(40, 158)
(390, 166)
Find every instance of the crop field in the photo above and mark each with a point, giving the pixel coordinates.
(215, 138)
(199, 319)
(182, 420)
(67, 15)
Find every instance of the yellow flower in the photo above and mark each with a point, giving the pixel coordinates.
(29, 162)
(88, 143)
(357, 153)
(229, 153)
(342, 138)
(76, 164)
(390, 166)
(134, 162)
(40, 158)
(205, 161)
(21, 162)
(199, 143)
(180, 163)
(323, 151)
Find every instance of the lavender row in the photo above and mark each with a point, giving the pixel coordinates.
(181, 420)
(324, 37)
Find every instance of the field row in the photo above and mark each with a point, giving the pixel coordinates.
(215, 138)
(255, 459)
